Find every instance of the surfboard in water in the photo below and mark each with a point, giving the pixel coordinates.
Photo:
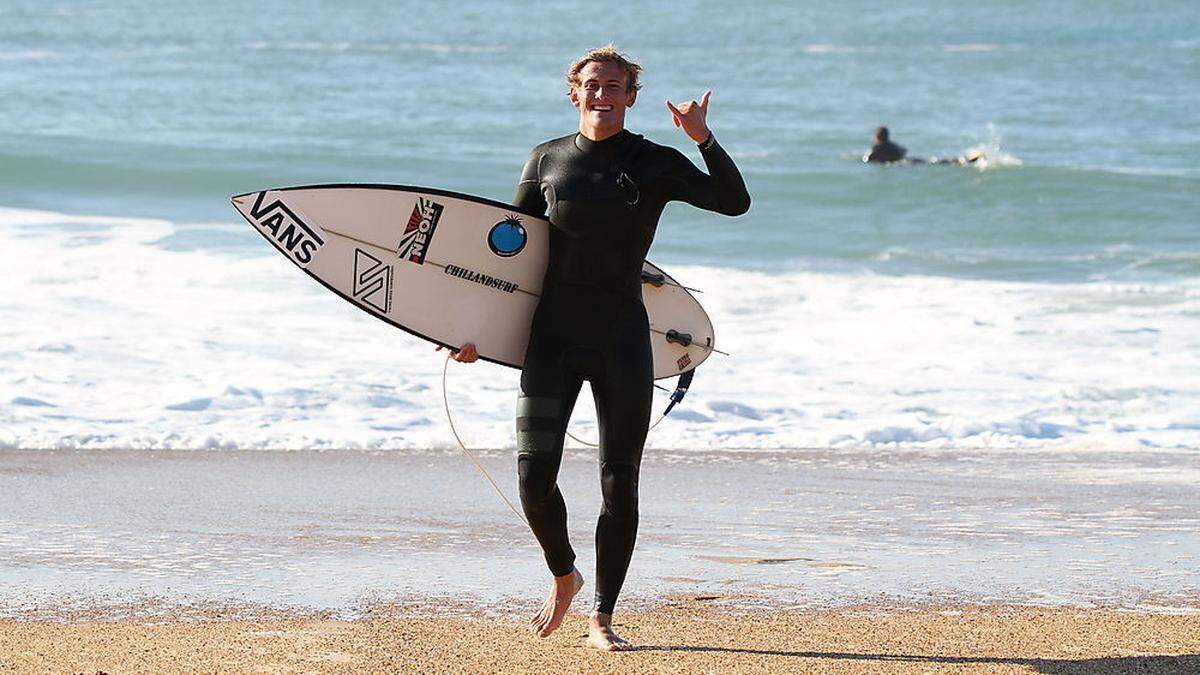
(450, 268)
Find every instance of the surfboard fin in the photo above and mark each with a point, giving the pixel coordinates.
(681, 389)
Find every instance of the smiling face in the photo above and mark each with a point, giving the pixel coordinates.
(602, 96)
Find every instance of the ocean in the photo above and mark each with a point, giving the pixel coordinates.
(1048, 298)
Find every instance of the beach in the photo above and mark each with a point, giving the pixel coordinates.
(950, 423)
(1005, 561)
(683, 636)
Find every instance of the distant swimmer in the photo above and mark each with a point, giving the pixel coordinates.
(884, 151)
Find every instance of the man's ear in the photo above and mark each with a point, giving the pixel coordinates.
(573, 94)
(631, 98)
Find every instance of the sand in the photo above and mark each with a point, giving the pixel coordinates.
(681, 636)
(305, 561)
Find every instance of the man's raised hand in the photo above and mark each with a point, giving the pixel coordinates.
(692, 117)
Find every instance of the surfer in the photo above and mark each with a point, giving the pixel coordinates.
(884, 151)
(603, 190)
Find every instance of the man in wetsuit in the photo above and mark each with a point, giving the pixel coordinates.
(884, 151)
(603, 190)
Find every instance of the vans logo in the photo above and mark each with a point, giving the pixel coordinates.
(286, 229)
(372, 281)
(418, 234)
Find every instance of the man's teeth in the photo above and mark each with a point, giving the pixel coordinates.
(602, 108)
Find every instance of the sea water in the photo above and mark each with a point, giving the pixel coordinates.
(1049, 296)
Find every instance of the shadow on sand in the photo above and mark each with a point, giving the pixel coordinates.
(1184, 663)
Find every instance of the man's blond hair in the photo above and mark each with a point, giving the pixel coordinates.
(606, 54)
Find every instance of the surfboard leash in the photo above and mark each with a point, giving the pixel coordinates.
(462, 446)
(681, 389)
(596, 445)
(685, 381)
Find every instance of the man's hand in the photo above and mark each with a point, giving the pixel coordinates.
(692, 117)
(464, 354)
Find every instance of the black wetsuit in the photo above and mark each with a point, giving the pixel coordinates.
(604, 200)
(885, 153)
(890, 153)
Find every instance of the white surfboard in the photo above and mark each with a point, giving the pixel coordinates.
(450, 268)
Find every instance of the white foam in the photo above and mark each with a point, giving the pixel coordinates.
(972, 47)
(994, 155)
(26, 55)
(110, 341)
(437, 48)
(828, 49)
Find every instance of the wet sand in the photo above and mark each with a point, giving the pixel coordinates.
(680, 636)
(342, 530)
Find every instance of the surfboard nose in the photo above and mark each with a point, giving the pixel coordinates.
(240, 200)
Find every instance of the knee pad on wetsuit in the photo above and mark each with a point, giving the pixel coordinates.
(539, 445)
(539, 425)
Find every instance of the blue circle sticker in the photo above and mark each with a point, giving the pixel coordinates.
(507, 237)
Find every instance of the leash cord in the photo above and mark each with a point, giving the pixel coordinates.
(463, 447)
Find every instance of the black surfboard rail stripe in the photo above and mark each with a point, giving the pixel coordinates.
(666, 334)
(388, 249)
(439, 265)
(401, 188)
(668, 281)
(234, 200)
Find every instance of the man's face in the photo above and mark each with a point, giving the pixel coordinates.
(601, 95)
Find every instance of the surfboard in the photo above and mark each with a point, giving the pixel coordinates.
(450, 268)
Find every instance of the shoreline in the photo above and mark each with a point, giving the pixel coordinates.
(339, 531)
(680, 636)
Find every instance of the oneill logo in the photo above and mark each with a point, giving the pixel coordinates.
(684, 361)
(300, 240)
(372, 281)
(414, 243)
(481, 279)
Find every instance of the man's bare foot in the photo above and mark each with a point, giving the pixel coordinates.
(562, 592)
(601, 635)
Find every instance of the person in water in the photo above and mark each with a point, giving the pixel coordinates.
(603, 190)
(884, 151)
